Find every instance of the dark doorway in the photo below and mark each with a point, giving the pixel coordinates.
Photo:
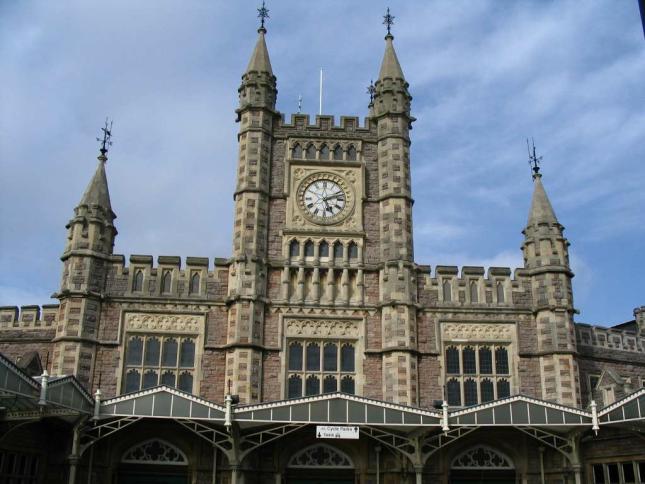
(150, 478)
(476, 476)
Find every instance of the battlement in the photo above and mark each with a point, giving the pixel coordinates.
(609, 338)
(168, 278)
(28, 317)
(348, 124)
(473, 285)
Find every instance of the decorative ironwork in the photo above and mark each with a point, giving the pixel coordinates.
(534, 161)
(106, 140)
(388, 21)
(154, 451)
(482, 457)
(321, 456)
(263, 14)
(371, 90)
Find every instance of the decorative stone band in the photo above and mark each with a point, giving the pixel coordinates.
(322, 328)
(477, 331)
(152, 322)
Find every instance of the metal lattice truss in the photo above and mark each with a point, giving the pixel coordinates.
(93, 432)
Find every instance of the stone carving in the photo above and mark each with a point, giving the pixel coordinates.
(474, 331)
(321, 328)
(321, 455)
(481, 458)
(184, 323)
(154, 452)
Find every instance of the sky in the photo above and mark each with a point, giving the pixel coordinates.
(484, 76)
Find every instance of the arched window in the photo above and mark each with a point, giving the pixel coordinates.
(323, 249)
(309, 249)
(296, 152)
(452, 360)
(347, 385)
(324, 152)
(447, 291)
(294, 248)
(187, 355)
(166, 280)
(320, 456)
(330, 357)
(310, 153)
(295, 356)
(313, 357)
(338, 251)
(501, 361)
(482, 457)
(169, 353)
(154, 451)
(135, 351)
(168, 378)
(338, 153)
(347, 358)
(312, 385)
(153, 349)
(474, 297)
(469, 362)
(137, 281)
(485, 361)
(500, 292)
(487, 390)
(132, 381)
(150, 379)
(330, 385)
(503, 388)
(351, 153)
(194, 283)
(353, 250)
(295, 386)
(185, 382)
(453, 389)
(470, 392)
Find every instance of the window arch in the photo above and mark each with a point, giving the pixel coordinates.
(320, 456)
(452, 360)
(309, 249)
(351, 153)
(474, 296)
(323, 249)
(194, 283)
(137, 281)
(324, 152)
(482, 457)
(154, 451)
(453, 390)
(338, 250)
(338, 153)
(296, 152)
(294, 248)
(353, 250)
(501, 361)
(310, 152)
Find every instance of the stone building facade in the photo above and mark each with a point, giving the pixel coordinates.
(320, 300)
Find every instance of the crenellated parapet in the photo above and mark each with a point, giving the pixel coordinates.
(194, 277)
(473, 286)
(28, 317)
(326, 125)
(609, 338)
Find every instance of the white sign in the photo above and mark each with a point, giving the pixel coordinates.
(336, 432)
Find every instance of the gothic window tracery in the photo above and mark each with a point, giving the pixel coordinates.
(137, 281)
(194, 283)
(351, 153)
(323, 249)
(338, 153)
(154, 451)
(166, 280)
(296, 152)
(500, 292)
(310, 152)
(447, 291)
(324, 152)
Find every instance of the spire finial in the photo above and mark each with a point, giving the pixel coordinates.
(371, 90)
(106, 141)
(534, 160)
(388, 21)
(263, 14)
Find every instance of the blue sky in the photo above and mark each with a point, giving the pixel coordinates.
(484, 75)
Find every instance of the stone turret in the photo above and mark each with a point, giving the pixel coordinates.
(248, 274)
(90, 241)
(391, 112)
(546, 258)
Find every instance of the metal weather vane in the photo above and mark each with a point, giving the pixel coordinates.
(263, 14)
(388, 21)
(106, 140)
(534, 160)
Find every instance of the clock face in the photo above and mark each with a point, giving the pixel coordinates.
(324, 199)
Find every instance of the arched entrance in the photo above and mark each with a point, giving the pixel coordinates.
(481, 464)
(320, 464)
(153, 461)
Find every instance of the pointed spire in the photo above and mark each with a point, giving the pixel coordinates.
(260, 58)
(541, 209)
(390, 66)
(97, 192)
